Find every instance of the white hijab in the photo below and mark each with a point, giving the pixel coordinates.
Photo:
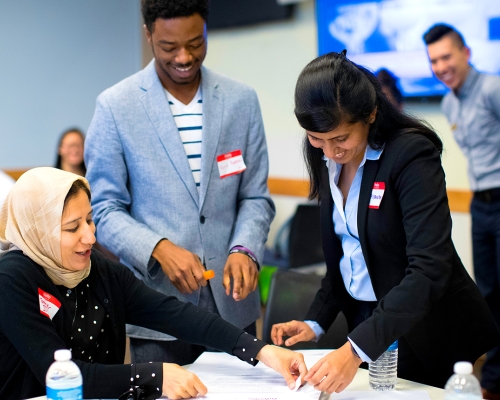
(30, 220)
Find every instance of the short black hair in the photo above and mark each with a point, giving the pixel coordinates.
(438, 31)
(168, 9)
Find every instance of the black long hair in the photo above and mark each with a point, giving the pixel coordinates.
(332, 90)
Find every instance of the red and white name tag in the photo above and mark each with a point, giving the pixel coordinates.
(49, 305)
(231, 163)
(377, 194)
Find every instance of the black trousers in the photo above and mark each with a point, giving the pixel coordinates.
(169, 351)
(176, 351)
(485, 212)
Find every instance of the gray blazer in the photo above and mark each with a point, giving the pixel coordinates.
(143, 189)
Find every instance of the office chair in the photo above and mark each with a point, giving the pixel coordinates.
(298, 241)
(290, 296)
(304, 242)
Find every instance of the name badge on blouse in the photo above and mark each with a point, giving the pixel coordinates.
(231, 163)
(49, 305)
(377, 194)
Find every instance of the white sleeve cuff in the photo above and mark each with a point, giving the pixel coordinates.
(360, 352)
(317, 329)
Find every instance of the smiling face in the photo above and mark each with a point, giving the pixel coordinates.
(179, 46)
(449, 61)
(71, 149)
(77, 232)
(345, 144)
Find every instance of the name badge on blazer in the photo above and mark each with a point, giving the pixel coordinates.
(377, 194)
(231, 163)
(49, 305)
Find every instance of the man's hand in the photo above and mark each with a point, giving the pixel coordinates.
(182, 267)
(179, 383)
(298, 331)
(245, 275)
(288, 363)
(335, 371)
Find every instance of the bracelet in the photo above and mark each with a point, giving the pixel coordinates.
(248, 254)
(244, 248)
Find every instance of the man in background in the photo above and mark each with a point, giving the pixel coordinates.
(178, 165)
(472, 108)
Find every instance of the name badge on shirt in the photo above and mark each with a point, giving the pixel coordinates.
(377, 194)
(231, 163)
(49, 305)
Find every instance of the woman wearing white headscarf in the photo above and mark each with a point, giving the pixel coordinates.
(57, 293)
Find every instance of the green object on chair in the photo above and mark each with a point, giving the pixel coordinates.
(265, 275)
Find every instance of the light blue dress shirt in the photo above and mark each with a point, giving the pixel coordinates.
(345, 219)
(474, 114)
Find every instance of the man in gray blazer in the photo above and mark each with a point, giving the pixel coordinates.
(177, 161)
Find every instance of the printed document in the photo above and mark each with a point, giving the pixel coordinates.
(228, 378)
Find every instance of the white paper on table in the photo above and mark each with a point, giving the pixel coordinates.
(226, 377)
(388, 395)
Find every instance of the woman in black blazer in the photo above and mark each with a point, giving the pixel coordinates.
(392, 268)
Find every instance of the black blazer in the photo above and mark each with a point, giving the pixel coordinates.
(423, 291)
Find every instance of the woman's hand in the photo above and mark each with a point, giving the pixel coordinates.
(288, 363)
(297, 330)
(179, 383)
(335, 371)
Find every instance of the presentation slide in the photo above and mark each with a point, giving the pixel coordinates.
(388, 34)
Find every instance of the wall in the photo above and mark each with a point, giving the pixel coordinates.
(56, 57)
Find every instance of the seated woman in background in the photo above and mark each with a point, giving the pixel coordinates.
(57, 293)
(70, 152)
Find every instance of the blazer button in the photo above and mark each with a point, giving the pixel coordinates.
(202, 219)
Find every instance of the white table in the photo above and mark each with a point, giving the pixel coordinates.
(212, 368)
(360, 384)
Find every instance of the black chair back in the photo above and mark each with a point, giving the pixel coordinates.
(304, 242)
(290, 296)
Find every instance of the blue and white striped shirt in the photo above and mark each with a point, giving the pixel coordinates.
(189, 121)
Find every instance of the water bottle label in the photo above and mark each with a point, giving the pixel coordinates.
(393, 346)
(64, 394)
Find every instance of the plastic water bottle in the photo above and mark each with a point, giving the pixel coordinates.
(463, 385)
(383, 373)
(64, 379)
